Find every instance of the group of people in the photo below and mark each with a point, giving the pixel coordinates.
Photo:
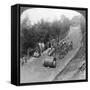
(36, 52)
(41, 47)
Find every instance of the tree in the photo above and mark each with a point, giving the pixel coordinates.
(65, 24)
(56, 29)
(79, 20)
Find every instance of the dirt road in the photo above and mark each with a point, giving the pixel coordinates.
(35, 72)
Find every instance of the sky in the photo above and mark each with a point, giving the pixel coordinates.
(36, 14)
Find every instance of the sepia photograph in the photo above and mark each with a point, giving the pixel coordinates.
(52, 44)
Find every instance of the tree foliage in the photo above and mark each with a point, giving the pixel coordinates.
(42, 32)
